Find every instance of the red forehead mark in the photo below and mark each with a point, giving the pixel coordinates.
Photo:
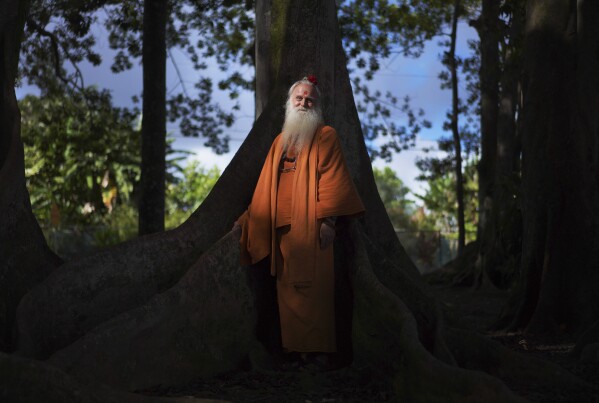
(305, 92)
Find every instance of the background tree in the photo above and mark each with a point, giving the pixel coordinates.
(404, 27)
(520, 244)
(441, 204)
(393, 195)
(559, 183)
(153, 122)
(451, 61)
(500, 224)
(487, 26)
(495, 93)
(185, 195)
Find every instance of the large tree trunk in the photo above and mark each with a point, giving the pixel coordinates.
(560, 192)
(502, 258)
(499, 233)
(123, 302)
(263, 60)
(24, 256)
(153, 124)
(488, 32)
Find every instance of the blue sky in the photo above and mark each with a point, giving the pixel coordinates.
(417, 78)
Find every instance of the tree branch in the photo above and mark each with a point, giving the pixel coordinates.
(56, 46)
(170, 56)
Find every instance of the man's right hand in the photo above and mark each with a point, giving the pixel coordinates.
(327, 234)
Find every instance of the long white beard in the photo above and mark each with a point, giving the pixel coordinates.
(300, 126)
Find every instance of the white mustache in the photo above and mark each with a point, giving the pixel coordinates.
(300, 125)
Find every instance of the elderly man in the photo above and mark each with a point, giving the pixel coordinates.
(303, 188)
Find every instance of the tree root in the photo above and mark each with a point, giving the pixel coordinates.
(203, 326)
(385, 335)
(474, 351)
(25, 381)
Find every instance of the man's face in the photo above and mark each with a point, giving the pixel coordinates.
(304, 97)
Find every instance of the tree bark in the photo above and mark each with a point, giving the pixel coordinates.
(560, 192)
(153, 125)
(500, 229)
(489, 79)
(488, 32)
(25, 258)
(503, 258)
(264, 82)
(457, 144)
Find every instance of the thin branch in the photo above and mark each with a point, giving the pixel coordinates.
(78, 83)
(76, 67)
(54, 41)
(370, 98)
(170, 55)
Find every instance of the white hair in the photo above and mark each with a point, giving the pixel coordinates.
(300, 124)
(306, 82)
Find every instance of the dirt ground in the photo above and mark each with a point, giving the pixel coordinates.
(475, 310)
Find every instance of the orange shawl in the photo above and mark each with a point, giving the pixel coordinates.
(322, 187)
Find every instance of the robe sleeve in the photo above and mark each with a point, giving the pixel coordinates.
(337, 194)
(256, 222)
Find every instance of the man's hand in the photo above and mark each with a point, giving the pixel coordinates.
(327, 235)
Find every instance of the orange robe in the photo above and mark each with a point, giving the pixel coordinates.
(322, 187)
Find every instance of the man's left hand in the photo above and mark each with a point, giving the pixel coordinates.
(327, 235)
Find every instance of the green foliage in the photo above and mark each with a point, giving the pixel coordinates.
(378, 121)
(118, 226)
(441, 204)
(375, 30)
(185, 194)
(57, 33)
(80, 152)
(223, 31)
(59, 36)
(393, 194)
(82, 158)
(217, 29)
